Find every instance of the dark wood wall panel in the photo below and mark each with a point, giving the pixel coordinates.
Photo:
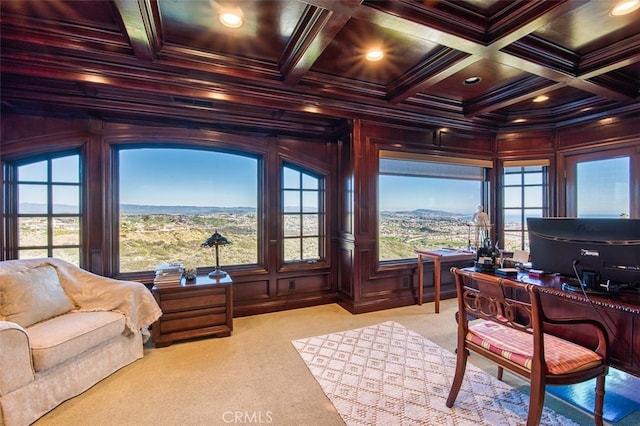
(601, 133)
(529, 142)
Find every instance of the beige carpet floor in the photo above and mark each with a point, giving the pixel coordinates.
(254, 376)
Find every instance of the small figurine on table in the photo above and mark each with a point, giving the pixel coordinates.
(481, 221)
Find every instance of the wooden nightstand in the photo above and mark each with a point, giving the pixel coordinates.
(199, 308)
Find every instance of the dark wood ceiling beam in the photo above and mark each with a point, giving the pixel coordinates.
(610, 58)
(315, 30)
(431, 71)
(418, 26)
(141, 21)
(518, 91)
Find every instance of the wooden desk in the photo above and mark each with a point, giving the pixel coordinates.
(618, 312)
(436, 256)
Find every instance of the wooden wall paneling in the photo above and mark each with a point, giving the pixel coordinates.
(601, 133)
(530, 142)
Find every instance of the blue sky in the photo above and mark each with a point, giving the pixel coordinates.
(204, 178)
(188, 178)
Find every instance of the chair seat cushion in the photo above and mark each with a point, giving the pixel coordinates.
(561, 356)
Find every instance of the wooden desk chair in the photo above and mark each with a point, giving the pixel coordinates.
(510, 333)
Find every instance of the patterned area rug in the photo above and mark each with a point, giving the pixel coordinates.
(386, 374)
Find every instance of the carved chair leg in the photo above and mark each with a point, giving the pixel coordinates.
(461, 366)
(536, 401)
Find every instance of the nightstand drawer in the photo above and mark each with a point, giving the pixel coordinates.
(192, 301)
(200, 319)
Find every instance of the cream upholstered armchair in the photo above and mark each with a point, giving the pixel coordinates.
(63, 329)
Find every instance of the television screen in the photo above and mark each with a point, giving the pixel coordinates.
(600, 249)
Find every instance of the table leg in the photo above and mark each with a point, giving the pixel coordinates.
(420, 279)
(436, 282)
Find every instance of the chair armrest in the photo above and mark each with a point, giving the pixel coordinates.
(602, 348)
(16, 366)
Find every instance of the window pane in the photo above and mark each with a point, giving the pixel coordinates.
(603, 188)
(292, 225)
(32, 231)
(310, 225)
(533, 179)
(513, 197)
(66, 199)
(32, 254)
(66, 231)
(513, 179)
(34, 172)
(310, 202)
(292, 201)
(65, 169)
(309, 182)
(172, 200)
(291, 178)
(532, 196)
(32, 199)
(513, 219)
(292, 249)
(310, 249)
(513, 240)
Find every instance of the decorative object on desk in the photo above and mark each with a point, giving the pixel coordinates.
(482, 224)
(190, 273)
(486, 257)
(216, 240)
(507, 272)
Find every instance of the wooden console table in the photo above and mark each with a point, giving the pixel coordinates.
(436, 256)
(199, 308)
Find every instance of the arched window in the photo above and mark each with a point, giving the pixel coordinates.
(303, 215)
(43, 207)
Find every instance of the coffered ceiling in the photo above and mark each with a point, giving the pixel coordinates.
(299, 66)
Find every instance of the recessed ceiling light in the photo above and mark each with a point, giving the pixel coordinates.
(231, 18)
(519, 120)
(625, 7)
(541, 98)
(374, 55)
(472, 80)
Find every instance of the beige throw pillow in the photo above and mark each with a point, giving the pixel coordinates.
(32, 295)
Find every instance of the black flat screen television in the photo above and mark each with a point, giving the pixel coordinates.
(600, 249)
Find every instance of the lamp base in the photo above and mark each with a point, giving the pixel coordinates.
(217, 273)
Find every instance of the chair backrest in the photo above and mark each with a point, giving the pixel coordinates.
(509, 303)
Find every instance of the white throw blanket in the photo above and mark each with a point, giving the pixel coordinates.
(92, 292)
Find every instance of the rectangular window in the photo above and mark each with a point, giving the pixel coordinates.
(172, 199)
(426, 202)
(46, 217)
(303, 216)
(603, 188)
(524, 194)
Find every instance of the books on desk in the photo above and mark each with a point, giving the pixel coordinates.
(506, 272)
